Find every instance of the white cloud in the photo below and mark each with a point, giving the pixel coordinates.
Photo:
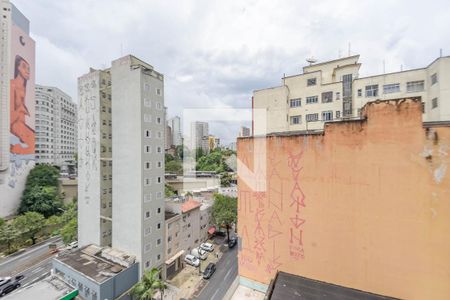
(215, 53)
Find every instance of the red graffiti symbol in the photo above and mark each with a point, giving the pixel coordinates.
(273, 264)
(296, 238)
(297, 196)
(297, 222)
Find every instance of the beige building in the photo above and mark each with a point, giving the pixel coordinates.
(174, 250)
(333, 90)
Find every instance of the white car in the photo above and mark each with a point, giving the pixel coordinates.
(192, 260)
(199, 253)
(207, 247)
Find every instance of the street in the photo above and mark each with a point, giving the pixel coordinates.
(34, 263)
(221, 280)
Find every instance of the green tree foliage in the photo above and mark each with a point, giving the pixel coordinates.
(149, 285)
(69, 232)
(225, 179)
(8, 235)
(174, 166)
(2, 221)
(41, 191)
(168, 157)
(42, 199)
(224, 211)
(179, 151)
(169, 191)
(30, 224)
(214, 161)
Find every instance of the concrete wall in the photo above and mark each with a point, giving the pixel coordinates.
(364, 205)
(68, 187)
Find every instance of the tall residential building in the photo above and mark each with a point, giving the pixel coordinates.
(17, 137)
(175, 125)
(122, 137)
(56, 129)
(333, 90)
(168, 138)
(95, 158)
(199, 130)
(244, 131)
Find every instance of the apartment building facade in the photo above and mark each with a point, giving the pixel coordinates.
(56, 127)
(244, 131)
(95, 158)
(121, 192)
(199, 135)
(333, 91)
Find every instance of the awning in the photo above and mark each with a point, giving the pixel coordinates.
(173, 258)
(212, 229)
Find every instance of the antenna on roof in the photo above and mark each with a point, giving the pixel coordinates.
(311, 60)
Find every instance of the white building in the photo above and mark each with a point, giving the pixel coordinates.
(199, 135)
(95, 158)
(333, 90)
(175, 126)
(244, 131)
(17, 136)
(56, 129)
(121, 132)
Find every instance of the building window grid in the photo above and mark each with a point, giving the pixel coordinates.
(311, 81)
(295, 120)
(415, 86)
(327, 115)
(434, 103)
(372, 90)
(434, 79)
(327, 97)
(391, 88)
(297, 102)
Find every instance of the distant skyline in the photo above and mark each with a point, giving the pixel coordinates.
(215, 53)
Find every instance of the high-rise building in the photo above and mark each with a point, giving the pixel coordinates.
(199, 131)
(333, 90)
(213, 142)
(244, 131)
(17, 136)
(175, 125)
(168, 137)
(127, 212)
(56, 129)
(95, 158)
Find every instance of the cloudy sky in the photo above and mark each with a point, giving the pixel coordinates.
(215, 53)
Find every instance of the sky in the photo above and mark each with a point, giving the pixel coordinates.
(213, 54)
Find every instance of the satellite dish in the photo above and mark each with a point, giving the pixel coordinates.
(311, 60)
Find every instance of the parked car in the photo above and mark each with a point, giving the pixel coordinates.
(232, 242)
(210, 269)
(192, 260)
(9, 284)
(199, 253)
(207, 247)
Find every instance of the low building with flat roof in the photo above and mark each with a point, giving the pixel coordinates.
(98, 272)
(50, 288)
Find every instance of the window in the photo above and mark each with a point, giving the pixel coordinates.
(158, 92)
(169, 238)
(311, 81)
(359, 92)
(296, 120)
(159, 210)
(169, 250)
(159, 195)
(147, 181)
(312, 99)
(338, 95)
(434, 103)
(147, 197)
(159, 225)
(338, 114)
(434, 78)
(327, 115)
(147, 102)
(158, 257)
(148, 165)
(327, 97)
(148, 134)
(147, 214)
(148, 230)
(415, 86)
(159, 149)
(158, 120)
(159, 134)
(159, 179)
(148, 149)
(159, 164)
(391, 88)
(148, 247)
(372, 90)
(147, 118)
(158, 105)
(423, 107)
(147, 87)
(147, 264)
(158, 242)
(296, 102)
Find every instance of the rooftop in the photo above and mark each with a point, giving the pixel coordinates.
(49, 288)
(190, 205)
(289, 286)
(169, 215)
(97, 263)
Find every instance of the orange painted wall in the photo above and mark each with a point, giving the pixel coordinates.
(365, 205)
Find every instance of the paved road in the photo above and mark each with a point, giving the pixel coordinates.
(33, 255)
(220, 282)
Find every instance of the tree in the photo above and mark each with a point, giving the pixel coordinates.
(224, 212)
(149, 284)
(30, 224)
(42, 199)
(8, 234)
(42, 175)
(174, 166)
(225, 179)
(69, 232)
(169, 191)
(2, 222)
